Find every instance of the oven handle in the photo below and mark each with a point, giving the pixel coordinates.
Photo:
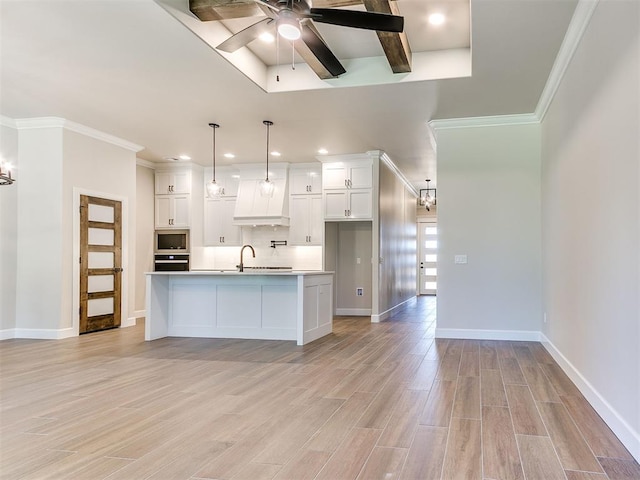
(171, 261)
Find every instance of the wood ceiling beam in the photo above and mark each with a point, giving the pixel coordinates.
(207, 10)
(395, 45)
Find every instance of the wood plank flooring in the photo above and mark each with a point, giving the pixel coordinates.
(371, 401)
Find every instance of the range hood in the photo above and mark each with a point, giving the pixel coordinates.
(254, 209)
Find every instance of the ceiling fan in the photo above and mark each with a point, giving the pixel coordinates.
(293, 19)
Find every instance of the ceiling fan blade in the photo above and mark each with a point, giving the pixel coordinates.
(312, 39)
(243, 37)
(382, 22)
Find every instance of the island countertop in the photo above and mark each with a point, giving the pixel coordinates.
(254, 304)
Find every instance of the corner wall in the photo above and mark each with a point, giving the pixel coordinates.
(397, 243)
(489, 210)
(591, 220)
(8, 232)
(145, 196)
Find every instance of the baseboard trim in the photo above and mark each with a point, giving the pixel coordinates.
(386, 314)
(625, 432)
(353, 312)
(40, 333)
(129, 322)
(139, 313)
(7, 334)
(472, 334)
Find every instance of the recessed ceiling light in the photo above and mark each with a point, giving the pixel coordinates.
(436, 19)
(266, 37)
(229, 155)
(323, 151)
(276, 154)
(185, 157)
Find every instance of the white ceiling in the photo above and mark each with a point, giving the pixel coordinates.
(130, 69)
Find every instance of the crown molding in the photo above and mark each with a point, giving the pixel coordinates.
(145, 163)
(579, 22)
(492, 121)
(392, 166)
(7, 122)
(57, 122)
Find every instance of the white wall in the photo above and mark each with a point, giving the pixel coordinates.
(40, 252)
(489, 210)
(57, 164)
(145, 196)
(8, 232)
(591, 220)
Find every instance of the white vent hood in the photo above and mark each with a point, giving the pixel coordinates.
(254, 209)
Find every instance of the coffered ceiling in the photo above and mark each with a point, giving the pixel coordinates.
(141, 71)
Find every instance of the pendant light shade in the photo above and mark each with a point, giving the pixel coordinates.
(266, 185)
(213, 188)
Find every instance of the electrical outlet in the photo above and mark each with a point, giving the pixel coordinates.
(359, 291)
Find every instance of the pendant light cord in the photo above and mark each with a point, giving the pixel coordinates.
(214, 126)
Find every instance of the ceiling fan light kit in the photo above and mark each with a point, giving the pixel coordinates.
(294, 20)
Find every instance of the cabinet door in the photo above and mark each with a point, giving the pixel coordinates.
(334, 176)
(315, 181)
(299, 226)
(361, 175)
(335, 205)
(163, 183)
(316, 221)
(231, 234)
(163, 212)
(212, 227)
(230, 185)
(181, 211)
(299, 182)
(360, 204)
(181, 182)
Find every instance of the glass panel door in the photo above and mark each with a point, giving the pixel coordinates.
(428, 256)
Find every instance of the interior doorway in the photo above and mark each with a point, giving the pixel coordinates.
(427, 257)
(100, 263)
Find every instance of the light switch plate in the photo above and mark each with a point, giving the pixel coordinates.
(460, 259)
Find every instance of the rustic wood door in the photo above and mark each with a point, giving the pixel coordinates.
(100, 263)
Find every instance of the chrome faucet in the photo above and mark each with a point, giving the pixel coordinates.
(241, 266)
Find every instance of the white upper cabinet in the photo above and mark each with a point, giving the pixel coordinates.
(305, 180)
(348, 190)
(219, 229)
(339, 175)
(173, 211)
(174, 182)
(227, 178)
(306, 220)
(173, 198)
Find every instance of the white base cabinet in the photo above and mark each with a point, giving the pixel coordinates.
(282, 306)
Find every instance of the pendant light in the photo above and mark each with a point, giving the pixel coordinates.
(5, 173)
(213, 188)
(266, 185)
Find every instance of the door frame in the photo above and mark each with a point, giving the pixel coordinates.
(125, 321)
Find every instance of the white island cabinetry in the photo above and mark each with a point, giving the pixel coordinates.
(268, 306)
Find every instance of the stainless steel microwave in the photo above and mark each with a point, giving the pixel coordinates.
(172, 241)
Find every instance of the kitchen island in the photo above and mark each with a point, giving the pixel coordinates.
(277, 305)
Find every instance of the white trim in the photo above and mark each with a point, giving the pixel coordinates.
(625, 432)
(378, 154)
(38, 333)
(128, 322)
(386, 314)
(353, 312)
(146, 163)
(579, 22)
(139, 313)
(473, 334)
(491, 121)
(57, 122)
(7, 122)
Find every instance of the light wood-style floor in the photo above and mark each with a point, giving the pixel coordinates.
(371, 401)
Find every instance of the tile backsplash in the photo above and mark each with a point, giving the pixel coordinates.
(226, 258)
